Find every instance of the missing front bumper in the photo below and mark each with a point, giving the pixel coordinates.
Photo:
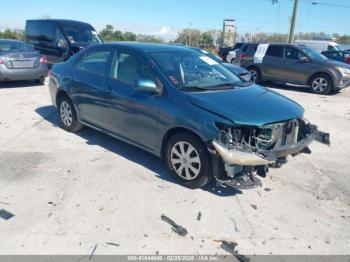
(265, 157)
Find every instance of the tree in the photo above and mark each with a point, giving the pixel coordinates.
(149, 39)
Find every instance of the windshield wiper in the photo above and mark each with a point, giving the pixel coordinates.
(225, 86)
(193, 88)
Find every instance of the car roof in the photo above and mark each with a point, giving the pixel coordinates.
(10, 41)
(147, 47)
(58, 21)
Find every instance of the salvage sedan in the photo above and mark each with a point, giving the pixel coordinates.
(181, 105)
(19, 61)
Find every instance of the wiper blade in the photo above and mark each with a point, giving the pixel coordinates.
(225, 86)
(187, 88)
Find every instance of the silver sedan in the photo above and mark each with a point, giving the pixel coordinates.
(19, 61)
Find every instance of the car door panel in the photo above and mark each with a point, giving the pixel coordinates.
(88, 85)
(131, 114)
(293, 69)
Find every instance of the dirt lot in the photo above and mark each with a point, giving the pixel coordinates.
(71, 192)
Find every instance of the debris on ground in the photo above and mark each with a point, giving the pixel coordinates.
(235, 223)
(267, 189)
(112, 244)
(230, 248)
(93, 252)
(254, 206)
(4, 203)
(199, 216)
(181, 231)
(5, 214)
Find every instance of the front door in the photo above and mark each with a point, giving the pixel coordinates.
(295, 70)
(131, 114)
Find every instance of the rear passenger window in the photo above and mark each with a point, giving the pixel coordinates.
(274, 51)
(95, 61)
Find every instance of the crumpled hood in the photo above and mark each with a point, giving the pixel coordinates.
(253, 105)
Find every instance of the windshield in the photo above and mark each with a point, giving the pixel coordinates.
(195, 71)
(313, 54)
(8, 46)
(80, 33)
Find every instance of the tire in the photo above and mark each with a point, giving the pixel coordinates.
(40, 81)
(321, 84)
(178, 162)
(233, 61)
(255, 73)
(68, 115)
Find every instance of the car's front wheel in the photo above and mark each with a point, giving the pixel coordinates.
(188, 160)
(321, 84)
(68, 115)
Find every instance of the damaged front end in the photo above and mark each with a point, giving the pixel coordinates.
(246, 150)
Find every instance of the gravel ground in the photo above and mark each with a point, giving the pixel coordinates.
(71, 192)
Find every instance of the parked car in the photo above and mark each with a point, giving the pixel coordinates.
(224, 51)
(342, 56)
(320, 45)
(59, 39)
(183, 106)
(19, 61)
(245, 54)
(299, 65)
(240, 71)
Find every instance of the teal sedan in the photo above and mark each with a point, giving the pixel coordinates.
(183, 106)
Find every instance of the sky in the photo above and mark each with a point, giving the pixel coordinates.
(166, 17)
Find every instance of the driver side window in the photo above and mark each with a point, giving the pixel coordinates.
(128, 68)
(292, 53)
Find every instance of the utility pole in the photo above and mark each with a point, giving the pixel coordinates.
(292, 24)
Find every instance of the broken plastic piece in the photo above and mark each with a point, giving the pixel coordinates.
(5, 214)
(181, 231)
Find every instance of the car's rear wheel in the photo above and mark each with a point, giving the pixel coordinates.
(41, 80)
(68, 115)
(256, 77)
(321, 84)
(188, 160)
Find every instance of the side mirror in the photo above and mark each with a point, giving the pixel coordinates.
(146, 85)
(304, 59)
(62, 44)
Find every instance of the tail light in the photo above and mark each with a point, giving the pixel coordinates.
(244, 56)
(1, 62)
(43, 60)
(347, 60)
(49, 74)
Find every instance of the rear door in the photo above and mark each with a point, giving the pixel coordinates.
(271, 64)
(88, 84)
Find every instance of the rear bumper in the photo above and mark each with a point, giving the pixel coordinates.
(7, 74)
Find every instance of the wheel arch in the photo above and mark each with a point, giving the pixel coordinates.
(172, 131)
(61, 93)
(320, 73)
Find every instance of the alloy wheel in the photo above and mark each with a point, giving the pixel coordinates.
(319, 85)
(66, 113)
(254, 74)
(185, 160)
